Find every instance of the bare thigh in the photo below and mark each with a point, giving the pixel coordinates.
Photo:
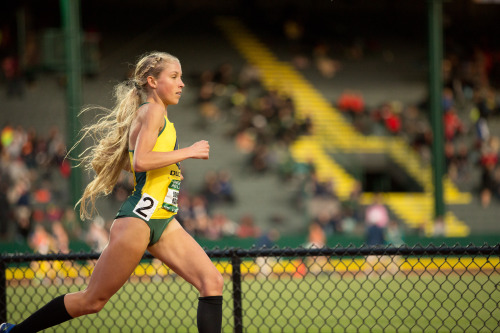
(179, 251)
(129, 238)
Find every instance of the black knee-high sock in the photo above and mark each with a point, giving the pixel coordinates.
(53, 313)
(210, 314)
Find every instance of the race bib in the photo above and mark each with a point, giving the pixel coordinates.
(170, 201)
(146, 206)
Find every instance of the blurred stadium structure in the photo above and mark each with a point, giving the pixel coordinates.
(383, 64)
(365, 289)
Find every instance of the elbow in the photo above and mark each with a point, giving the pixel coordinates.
(138, 165)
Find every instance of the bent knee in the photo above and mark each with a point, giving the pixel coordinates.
(91, 306)
(212, 284)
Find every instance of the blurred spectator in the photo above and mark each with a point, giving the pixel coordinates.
(452, 124)
(316, 237)
(283, 161)
(226, 187)
(348, 222)
(439, 227)
(268, 239)
(352, 206)
(482, 128)
(488, 162)
(266, 264)
(422, 140)
(486, 102)
(351, 211)
(247, 227)
(43, 194)
(330, 221)
(447, 99)
(23, 218)
(323, 205)
(249, 76)
(462, 163)
(327, 66)
(259, 159)
(220, 226)
(246, 140)
(41, 241)
(449, 153)
(53, 213)
(200, 215)
(394, 238)
(217, 187)
(209, 112)
(19, 198)
(376, 219)
(394, 234)
(392, 120)
(61, 237)
(213, 230)
(318, 188)
(184, 215)
(351, 102)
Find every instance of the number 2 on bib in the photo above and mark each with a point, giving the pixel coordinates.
(146, 206)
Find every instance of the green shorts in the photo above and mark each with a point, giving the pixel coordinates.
(156, 226)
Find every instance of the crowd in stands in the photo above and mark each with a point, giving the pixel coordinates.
(34, 206)
(265, 120)
(35, 174)
(264, 127)
(471, 98)
(31, 166)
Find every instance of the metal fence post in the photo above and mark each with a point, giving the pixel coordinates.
(3, 291)
(237, 306)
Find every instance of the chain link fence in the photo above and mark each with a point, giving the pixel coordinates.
(365, 289)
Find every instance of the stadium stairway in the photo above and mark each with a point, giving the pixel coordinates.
(333, 133)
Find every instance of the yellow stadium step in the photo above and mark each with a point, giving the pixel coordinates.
(308, 150)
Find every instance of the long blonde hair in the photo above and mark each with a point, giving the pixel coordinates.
(108, 155)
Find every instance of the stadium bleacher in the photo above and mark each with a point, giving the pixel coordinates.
(206, 46)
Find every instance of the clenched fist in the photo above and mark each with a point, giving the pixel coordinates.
(200, 150)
